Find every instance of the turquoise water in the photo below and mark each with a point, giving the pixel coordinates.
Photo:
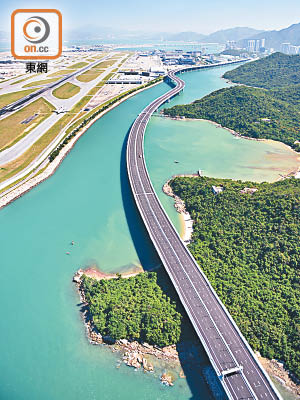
(216, 152)
(44, 352)
(201, 145)
(150, 45)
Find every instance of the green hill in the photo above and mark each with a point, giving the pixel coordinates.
(134, 308)
(274, 71)
(290, 94)
(256, 113)
(248, 246)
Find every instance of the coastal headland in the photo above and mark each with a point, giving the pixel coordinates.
(216, 205)
(133, 353)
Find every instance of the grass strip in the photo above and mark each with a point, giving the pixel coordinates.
(66, 91)
(9, 98)
(11, 128)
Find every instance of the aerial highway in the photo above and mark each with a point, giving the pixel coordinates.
(233, 360)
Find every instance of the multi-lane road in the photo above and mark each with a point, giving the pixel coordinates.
(233, 360)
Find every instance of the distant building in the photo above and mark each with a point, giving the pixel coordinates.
(231, 45)
(285, 48)
(251, 46)
(255, 45)
(188, 61)
(294, 50)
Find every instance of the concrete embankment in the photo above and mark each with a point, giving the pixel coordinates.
(24, 186)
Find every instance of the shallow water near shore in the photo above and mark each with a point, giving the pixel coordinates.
(44, 351)
(201, 145)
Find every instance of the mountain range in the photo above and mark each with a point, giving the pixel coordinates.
(221, 36)
(274, 39)
(106, 33)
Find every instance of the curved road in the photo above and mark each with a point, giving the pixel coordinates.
(239, 372)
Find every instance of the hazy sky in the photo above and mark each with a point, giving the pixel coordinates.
(165, 15)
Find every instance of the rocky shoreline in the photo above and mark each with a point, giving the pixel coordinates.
(180, 208)
(134, 354)
(273, 367)
(277, 371)
(142, 355)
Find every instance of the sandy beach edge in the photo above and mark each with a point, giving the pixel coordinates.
(273, 367)
(294, 172)
(186, 223)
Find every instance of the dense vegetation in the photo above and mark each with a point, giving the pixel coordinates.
(248, 246)
(268, 111)
(135, 308)
(256, 113)
(276, 70)
(290, 94)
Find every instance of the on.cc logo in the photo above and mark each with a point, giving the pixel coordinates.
(36, 34)
(40, 28)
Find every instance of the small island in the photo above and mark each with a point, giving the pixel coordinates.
(131, 313)
(134, 308)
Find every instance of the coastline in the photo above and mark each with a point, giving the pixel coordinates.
(295, 172)
(151, 358)
(133, 354)
(166, 364)
(277, 371)
(181, 216)
(185, 219)
(273, 367)
(52, 167)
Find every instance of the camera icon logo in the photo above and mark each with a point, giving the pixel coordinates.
(36, 34)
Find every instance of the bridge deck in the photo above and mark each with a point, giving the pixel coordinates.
(222, 340)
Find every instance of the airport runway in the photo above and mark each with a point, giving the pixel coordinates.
(27, 141)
